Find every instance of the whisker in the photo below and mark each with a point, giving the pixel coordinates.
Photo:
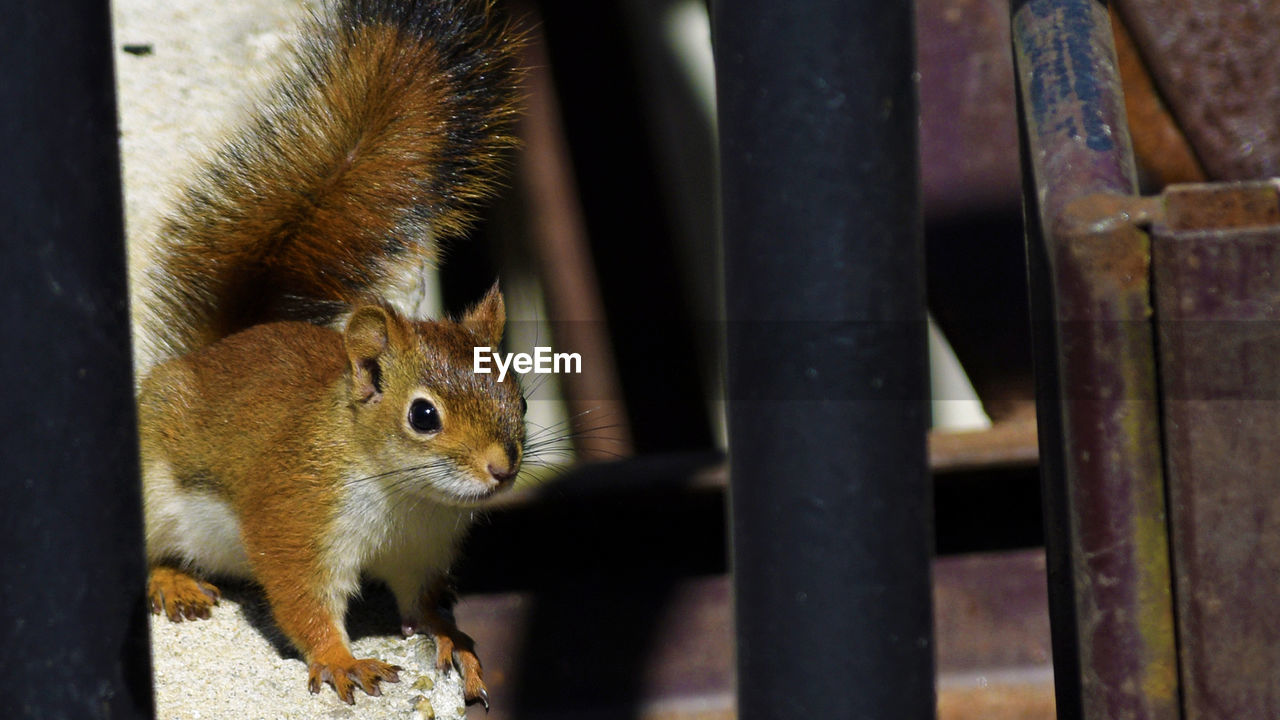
(566, 424)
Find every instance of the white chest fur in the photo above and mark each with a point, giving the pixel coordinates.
(405, 541)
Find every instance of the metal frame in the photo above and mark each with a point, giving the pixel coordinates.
(1111, 585)
(1216, 257)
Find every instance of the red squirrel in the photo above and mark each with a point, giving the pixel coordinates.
(304, 432)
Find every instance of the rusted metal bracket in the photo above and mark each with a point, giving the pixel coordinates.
(1160, 331)
(1217, 276)
(1115, 652)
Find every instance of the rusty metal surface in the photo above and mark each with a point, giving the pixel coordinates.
(1115, 480)
(1105, 356)
(1005, 444)
(1220, 207)
(1217, 270)
(1073, 109)
(991, 623)
(561, 252)
(554, 654)
(991, 611)
(606, 648)
(1163, 152)
(605, 592)
(968, 128)
(1215, 64)
(1023, 696)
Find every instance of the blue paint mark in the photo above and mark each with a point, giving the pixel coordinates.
(1061, 72)
(1064, 70)
(1084, 59)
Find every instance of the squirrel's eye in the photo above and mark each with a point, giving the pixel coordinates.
(524, 405)
(424, 417)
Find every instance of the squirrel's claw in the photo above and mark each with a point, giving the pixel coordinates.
(455, 649)
(468, 665)
(345, 675)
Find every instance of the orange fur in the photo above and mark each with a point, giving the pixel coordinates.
(276, 423)
(389, 128)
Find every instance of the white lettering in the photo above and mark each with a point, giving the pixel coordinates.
(523, 362)
(572, 363)
(502, 367)
(543, 361)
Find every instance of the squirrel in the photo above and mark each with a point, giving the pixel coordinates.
(304, 432)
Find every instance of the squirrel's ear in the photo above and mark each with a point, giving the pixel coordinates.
(370, 332)
(488, 317)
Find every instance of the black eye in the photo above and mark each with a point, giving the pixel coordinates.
(424, 417)
(524, 405)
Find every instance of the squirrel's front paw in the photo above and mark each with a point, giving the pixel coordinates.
(179, 595)
(345, 674)
(461, 654)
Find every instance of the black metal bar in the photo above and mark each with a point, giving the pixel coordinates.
(74, 637)
(830, 494)
(1055, 499)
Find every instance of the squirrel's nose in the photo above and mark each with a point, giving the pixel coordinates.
(501, 464)
(501, 473)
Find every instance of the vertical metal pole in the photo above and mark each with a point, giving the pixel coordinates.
(1056, 499)
(73, 629)
(830, 490)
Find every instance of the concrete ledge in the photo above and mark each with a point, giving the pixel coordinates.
(238, 665)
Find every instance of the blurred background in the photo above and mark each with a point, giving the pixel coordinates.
(600, 589)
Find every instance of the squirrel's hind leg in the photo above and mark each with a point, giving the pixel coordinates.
(453, 647)
(180, 595)
(425, 611)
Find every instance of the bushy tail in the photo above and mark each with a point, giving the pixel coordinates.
(391, 123)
